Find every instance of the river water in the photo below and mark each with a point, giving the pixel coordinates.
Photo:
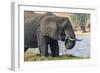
(81, 48)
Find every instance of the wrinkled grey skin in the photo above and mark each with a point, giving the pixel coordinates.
(41, 30)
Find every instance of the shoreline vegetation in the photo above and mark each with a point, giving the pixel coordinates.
(36, 57)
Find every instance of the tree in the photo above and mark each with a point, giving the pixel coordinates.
(80, 20)
(83, 20)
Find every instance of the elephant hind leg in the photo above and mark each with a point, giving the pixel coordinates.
(54, 47)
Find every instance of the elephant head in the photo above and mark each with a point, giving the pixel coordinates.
(58, 28)
(70, 36)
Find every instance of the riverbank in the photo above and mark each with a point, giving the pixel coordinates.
(80, 33)
(33, 55)
(37, 57)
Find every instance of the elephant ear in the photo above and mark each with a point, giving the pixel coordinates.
(48, 27)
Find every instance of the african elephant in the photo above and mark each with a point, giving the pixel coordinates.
(41, 30)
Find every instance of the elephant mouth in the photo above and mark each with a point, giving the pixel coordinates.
(63, 36)
(70, 43)
(63, 39)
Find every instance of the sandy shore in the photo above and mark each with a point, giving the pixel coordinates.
(81, 33)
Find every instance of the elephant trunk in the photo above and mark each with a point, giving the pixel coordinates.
(70, 41)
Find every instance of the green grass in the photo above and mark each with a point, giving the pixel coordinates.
(31, 56)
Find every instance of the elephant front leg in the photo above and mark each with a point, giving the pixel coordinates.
(54, 48)
(43, 46)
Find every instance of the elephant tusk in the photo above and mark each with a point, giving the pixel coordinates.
(71, 39)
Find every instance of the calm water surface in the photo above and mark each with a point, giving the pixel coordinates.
(81, 48)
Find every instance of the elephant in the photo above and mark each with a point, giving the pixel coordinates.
(41, 30)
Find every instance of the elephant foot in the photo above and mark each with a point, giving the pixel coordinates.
(44, 52)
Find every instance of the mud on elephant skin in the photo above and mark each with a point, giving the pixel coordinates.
(41, 30)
